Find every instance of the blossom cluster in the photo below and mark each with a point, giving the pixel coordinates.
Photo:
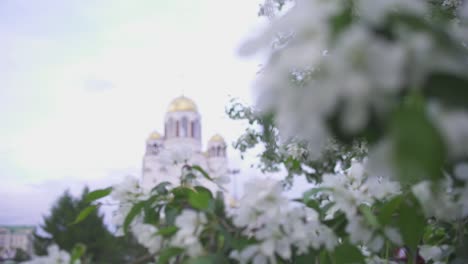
(357, 71)
(189, 223)
(55, 256)
(279, 227)
(441, 199)
(393, 72)
(352, 189)
(338, 68)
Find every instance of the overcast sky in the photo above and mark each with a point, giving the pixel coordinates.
(83, 83)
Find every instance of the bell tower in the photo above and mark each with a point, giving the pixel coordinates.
(182, 124)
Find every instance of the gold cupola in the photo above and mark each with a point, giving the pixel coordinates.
(217, 138)
(155, 136)
(182, 104)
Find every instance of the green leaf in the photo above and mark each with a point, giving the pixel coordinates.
(203, 189)
(171, 212)
(307, 194)
(226, 239)
(167, 253)
(219, 206)
(348, 254)
(209, 259)
(136, 209)
(449, 89)
(311, 204)
(202, 171)
(161, 188)
(77, 252)
(418, 149)
(97, 194)
(369, 216)
(242, 242)
(181, 193)
(152, 213)
(388, 209)
(341, 21)
(338, 224)
(324, 257)
(411, 223)
(167, 231)
(199, 200)
(84, 213)
(306, 258)
(324, 210)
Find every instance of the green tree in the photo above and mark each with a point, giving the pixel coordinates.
(21, 255)
(101, 245)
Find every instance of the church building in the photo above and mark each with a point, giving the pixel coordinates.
(182, 131)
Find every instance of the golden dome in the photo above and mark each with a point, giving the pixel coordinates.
(216, 138)
(181, 104)
(155, 135)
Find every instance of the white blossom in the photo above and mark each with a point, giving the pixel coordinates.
(434, 253)
(463, 11)
(461, 171)
(54, 256)
(352, 189)
(128, 191)
(376, 10)
(126, 194)
(363, 72)
(454, 128)
(190, 224)
(439, 204)
(393, 235)
(266, 214)
(452, 3)
(463, 200)
(378, 260)
(146, 235)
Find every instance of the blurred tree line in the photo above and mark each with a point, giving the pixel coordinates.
(101, 245)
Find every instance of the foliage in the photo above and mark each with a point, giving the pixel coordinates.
(293, 155)
(390, 73)
(21, 255)
(101, 245)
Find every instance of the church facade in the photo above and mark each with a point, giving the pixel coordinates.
(183, 133)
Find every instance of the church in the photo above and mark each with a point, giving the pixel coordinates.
(183, 131)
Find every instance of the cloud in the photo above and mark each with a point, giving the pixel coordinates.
(98, 85)
(87, 81)
(27, 203)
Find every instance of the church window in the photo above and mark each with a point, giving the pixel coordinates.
(196, 129)
(177, 128)
(192, 129)
(184, 127)
(170, 128)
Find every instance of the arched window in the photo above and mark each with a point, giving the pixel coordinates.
(166, 129)
(218, 151)
(184, 132)
(212, 151)
(170, 128)
(192, 129)
(177, 129)
(196, 130)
